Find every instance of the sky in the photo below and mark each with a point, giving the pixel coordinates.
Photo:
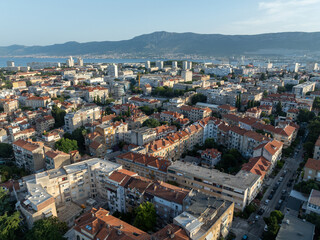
(45, 22)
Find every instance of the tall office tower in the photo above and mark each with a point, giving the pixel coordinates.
(113, 70)
(70, 62)
(159, 64)
(147, 64)
(80, 62)
(10, 63)
(174, 64)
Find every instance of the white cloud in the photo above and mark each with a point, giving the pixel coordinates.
(282, 15)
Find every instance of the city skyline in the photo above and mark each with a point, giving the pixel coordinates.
(43, 23)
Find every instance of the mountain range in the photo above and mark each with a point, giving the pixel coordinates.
(160, 44)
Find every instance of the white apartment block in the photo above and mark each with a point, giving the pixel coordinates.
(74, 120)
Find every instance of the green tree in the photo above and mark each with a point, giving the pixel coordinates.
(78, 135)
(6, 150)
(5, 204)
(66, 145)
(48, 228)
(58, 115)
(152, 123)
(145, 217)
(305, 115)
(265, 93)
(9, 226)
(199, 97)
(316, 102)
(147, 110)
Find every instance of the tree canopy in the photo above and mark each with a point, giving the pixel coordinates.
(199, 97)
(58, 115)
(145, 217)
(10, 226)
(152, 123)
(6, 150)
(47, 228)
(66, 145)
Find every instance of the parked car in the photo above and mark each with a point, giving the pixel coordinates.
(270, 196)
(245, 237)
(261, 211)
(266, 202)
(265, 228)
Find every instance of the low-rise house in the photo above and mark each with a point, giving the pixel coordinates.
(257, 165)
(169, 116)
(271, 151)
(313, 204)
(293, 113)
(210, 157)
(312, 170)
(97, 149)
(254, 112)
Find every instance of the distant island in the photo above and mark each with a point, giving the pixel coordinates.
(168, 44)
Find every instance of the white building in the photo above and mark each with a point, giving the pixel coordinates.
(10, 63)
(186, 75)
(80, 62)
(113, 70)
(147, 64)
(159, 64)
(301, 89)
(174, 64)
(70, 62)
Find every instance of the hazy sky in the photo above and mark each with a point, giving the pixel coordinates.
(42, 22)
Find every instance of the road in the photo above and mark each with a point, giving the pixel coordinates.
(253, 227)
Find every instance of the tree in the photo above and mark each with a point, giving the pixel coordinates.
(279, 108)
(48, 228)
(145, 217)
(263, 77)
(265, 93)
(305, 115)
(58, 115)
(5, 204)
(9, 226)
(6, 150)
(198, 98)
(147, 110)
(78, 135)
(316, 102)
(66, 145)
(152, 123)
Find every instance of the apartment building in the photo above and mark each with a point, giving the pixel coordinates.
(293, 114)
(35, 203)
(207, 217)
(169, 116)
(145, 165)
(257, 165)
(88, 114)
(72, 183)
(112, 133)
(29, 155)
(56, 159)
(24, 134)
(44, 124)
(143, 136)
(37, 102)
(240, 189)
(136, 120)
(10, 105)
(97, 93)
(254, 112)
(300, 90)
(194, 113)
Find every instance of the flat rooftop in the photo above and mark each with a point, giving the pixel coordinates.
(242, 180)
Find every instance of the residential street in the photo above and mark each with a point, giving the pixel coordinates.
(254, 226)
